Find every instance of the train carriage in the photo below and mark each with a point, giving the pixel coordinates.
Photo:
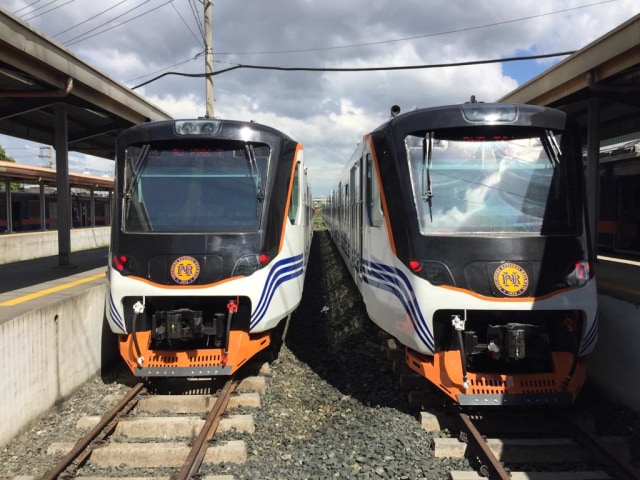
(211, 233)
(464, 227)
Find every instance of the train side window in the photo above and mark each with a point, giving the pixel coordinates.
(294, 201)
(374, 208)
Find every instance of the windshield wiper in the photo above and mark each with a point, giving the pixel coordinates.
(141, 210)
(255, 173)
(427, 194)
(137, 169)
(551, 148)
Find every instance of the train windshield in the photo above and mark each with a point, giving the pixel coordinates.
(194, 187)
(470, 182)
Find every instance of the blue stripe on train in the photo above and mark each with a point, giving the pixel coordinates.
(282, 271)
(394, 281)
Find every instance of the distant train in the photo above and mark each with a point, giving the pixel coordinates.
(465, 229)
(25, 211)
(211, 233)
(619, 196)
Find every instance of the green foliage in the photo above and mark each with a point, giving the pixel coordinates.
(4, 157)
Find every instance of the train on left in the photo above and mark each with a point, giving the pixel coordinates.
(211, 231)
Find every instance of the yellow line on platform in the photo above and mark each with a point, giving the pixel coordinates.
(42, 293)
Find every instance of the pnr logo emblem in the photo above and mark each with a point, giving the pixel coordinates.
(511, 279)
(185, 270)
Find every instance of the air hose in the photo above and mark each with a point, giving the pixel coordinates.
(138, 309)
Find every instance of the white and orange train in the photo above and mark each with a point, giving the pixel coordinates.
(211, 233)
(464, 227)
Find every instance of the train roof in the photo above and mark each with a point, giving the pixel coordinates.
(467, 114)
(220, 128)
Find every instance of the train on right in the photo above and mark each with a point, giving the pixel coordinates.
(465, 229)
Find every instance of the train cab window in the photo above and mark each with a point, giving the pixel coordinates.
(474, 182)
(194, 187)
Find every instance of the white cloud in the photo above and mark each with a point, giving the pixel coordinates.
(119, 64)
(185, 106)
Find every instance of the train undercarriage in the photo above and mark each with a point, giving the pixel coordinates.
(505, 358)
(189, 336)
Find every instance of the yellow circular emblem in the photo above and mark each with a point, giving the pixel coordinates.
(511, 279)
(185, 270)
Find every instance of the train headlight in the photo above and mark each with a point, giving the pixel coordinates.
(489, 113)
(196, 127)
(248, 264)
(434, 272)
(125, 264)
(579, 274)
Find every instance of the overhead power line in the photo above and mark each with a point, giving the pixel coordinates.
(177, 64)
(199, 40)
(87, 35)
(427, 35)
(89, 19)
(15, 12)
(360, 69)
(196, 16)
(46, 11)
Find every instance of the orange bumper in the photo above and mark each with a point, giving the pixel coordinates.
(444, 370)
(190, 363)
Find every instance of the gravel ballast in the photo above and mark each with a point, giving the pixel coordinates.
(333, 406)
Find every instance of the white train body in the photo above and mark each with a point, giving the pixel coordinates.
(465, 230)
(210, 246)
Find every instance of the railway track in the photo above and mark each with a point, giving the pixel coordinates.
(162, 435)
(556, 444)
(534, 444)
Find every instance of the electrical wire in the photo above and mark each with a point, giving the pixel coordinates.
(78, 38)
(90, 18)
(167, 67)
(26, 17)
(40, 7)
(362, 69)
(194, 11)
(199, 40)
(381, 42)
(25, 7)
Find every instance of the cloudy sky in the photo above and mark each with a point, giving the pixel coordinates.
(134, 41)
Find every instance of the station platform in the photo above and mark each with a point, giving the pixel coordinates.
(619, 277)
(31, 284)
(53, 336)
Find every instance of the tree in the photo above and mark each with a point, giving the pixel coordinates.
(7, 158)
(4, 157)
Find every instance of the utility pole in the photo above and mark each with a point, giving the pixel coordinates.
(45, 154)
(208, 56)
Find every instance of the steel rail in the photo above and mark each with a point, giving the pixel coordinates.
(195, 457)
(623, 469)
(82, 444)
(479, 446)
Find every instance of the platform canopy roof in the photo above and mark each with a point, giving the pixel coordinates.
(607, 71)
(16, 172)
(37, 73)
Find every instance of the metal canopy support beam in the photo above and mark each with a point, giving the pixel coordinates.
(64, 192)
(593, 161)
(7, 184)
(43, 216)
